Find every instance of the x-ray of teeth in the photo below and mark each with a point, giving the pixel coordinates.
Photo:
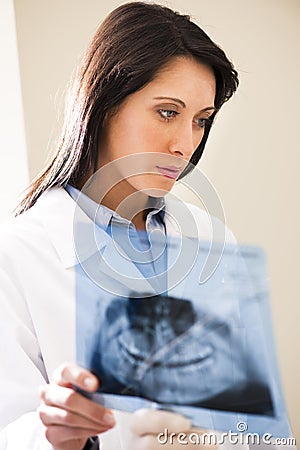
(162, 349)
(205, 350)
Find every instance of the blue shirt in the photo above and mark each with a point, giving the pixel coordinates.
(146, 249)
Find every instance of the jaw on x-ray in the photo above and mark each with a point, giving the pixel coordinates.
(166, 350)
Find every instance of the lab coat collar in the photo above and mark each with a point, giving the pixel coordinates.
(58, 213)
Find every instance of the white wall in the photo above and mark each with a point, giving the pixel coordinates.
(252, 156)
(13, 158)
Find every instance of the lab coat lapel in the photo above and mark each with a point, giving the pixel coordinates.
(69, 228)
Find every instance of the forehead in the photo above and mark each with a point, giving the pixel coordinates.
(184, 78)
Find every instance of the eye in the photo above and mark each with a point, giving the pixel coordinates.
(167, 114)
(202, 122)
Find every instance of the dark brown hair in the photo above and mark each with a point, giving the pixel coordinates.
(129, 48)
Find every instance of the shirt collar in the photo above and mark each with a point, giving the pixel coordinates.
(102, 215)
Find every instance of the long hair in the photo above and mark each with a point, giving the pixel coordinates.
(127, 51)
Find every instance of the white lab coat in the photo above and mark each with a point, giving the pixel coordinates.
(37, 306)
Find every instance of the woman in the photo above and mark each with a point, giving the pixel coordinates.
(150, 84)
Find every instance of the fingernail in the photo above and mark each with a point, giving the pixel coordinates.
(108, 418)
(89, 383)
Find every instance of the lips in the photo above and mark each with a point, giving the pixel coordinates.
(169, 171)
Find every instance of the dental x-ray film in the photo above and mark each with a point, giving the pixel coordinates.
(181, 325)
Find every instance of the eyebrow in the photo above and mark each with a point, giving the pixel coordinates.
(177, 100)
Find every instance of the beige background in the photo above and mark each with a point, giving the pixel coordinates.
(13, 157)
(252, 156)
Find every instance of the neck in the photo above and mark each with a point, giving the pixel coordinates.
(122, 198)
(131, 207)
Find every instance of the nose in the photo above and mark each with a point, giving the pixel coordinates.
(183, 143)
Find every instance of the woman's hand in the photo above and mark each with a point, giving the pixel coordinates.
(70, 418)
(149, 429)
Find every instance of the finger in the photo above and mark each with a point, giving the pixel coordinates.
(147, 442)
(151, 442)
(59, 435)
(50, 415)
(72, 375)
(71, 401)
(172, 442)
(150, 421)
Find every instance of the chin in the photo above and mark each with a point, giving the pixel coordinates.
(155, 188)
(156, 192)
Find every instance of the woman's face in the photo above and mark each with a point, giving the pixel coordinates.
(163, 124)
